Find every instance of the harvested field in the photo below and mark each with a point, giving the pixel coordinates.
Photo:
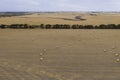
(37, 54)
(64, 18)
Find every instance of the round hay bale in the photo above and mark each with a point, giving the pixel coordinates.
(41, 54)
(117, 60)
(41, 58)
(44, 50)
(116, 54)
(105, 50)
(113, 47)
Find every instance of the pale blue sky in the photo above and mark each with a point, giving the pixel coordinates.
(59, 5)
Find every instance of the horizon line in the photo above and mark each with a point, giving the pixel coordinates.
(58, 11)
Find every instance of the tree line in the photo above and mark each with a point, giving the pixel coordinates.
(11, 14)
(60, 26)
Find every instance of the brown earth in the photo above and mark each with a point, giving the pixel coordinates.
(59, 54)
(64, 18)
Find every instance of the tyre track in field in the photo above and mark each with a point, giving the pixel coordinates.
(12, 74)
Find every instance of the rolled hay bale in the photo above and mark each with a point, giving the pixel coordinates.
(41, 58)
(113, 47)
(116, 54)
(41, 54)
(105, 50)
(118, 60)
(44, 50)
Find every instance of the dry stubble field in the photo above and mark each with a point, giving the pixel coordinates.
(36, 54)
(58, 18)
(59, 54)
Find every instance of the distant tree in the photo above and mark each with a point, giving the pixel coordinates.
(89, 26)
(42, 26)
(102, 26)
(111, 26)
(96, 27)
(31, 27)
(56, 26)
(66, 26)
(2, 26)
(25, 26)
(48, 26)
(118, 26)
(81, 27)
(75, 26)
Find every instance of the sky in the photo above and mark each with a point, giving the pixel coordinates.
(59, 5)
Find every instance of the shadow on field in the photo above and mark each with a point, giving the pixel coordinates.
(77, 18)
